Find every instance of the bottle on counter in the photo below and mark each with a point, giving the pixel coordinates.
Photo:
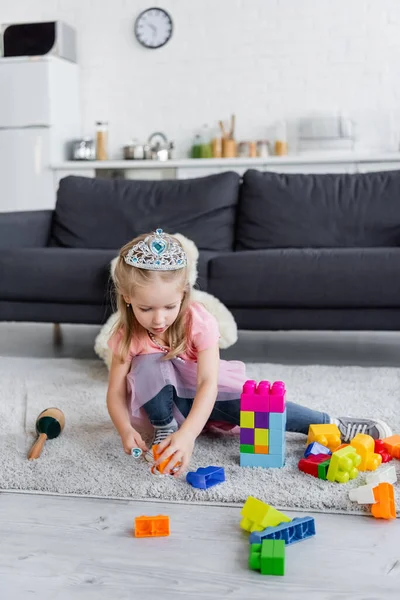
(196, 147)
(101, 140)
(205, 142)
(281, 144)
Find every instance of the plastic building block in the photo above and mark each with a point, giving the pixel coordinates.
(363, 494)
(277, 441)
(392, 445)
(152, 526)
(380, 449)
(257, 515)
(161, 467)
(247, 448)
(261, 420)
(328, 435)
(310, 465)
(277, 421)
(247, 419)
(364, 446)
(261, 437)
(255, 397)
(385, 475)
(268, 557)
(261, 450)
(247, 436)
(296, 531)
(343, 465)
(385, 507)
(266, 461)
(277, 397)
(206, 477)
(316, 448)
(323, 468)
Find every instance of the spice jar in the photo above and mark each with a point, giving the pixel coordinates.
(102, 140)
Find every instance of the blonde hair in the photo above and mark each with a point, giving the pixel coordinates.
(126, 279)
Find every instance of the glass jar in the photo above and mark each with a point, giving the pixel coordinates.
(101, 140)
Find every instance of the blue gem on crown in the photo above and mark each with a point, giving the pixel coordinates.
(157, 252)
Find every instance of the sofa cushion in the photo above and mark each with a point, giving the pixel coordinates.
(308, 278)
(100, 213)
(65, 275)
(318, 211)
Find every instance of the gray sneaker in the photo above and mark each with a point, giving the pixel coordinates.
(160, 433)
(349, 427)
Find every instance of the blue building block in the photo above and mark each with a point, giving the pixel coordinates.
(277, 421)
(277, 441)
(206, 477)
(297, 530)
(266, 461)
(316, 448)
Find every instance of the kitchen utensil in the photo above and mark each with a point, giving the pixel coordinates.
(49, 425)
(84, 149)
(160, 148)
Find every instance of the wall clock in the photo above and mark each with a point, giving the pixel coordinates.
(153, 28)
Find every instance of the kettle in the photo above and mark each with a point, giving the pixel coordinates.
(160, 148)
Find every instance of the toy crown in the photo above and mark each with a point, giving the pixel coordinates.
(157, 252)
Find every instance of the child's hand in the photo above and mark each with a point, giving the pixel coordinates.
(179, 446)
(132, 439)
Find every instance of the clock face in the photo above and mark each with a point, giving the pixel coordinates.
(153, 28)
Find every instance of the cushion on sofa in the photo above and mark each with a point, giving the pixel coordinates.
(318, 211)
(65, 275)
(323, 278)
(100, 213)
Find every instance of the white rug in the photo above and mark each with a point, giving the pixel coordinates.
(87, 459)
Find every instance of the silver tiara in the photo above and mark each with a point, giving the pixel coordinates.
(158, 252)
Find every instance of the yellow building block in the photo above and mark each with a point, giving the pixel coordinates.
(261, 437)
(257, 515)
(343, 465)
(247, 419)
(364, 445)
(328, 435)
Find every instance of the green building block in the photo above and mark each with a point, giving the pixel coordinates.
(343, 465)
(247, 448)
(268, 557)
(323, 469)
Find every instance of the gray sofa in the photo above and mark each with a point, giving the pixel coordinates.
(280, 251)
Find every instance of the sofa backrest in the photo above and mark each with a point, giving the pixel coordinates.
(106, 214)
(312, 211)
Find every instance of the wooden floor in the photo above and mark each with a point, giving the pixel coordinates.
(78, 548)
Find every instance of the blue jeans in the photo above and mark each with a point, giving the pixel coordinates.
(160, 411)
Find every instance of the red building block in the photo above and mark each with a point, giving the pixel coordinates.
(392, 445)
(380, 449)
(310, 465)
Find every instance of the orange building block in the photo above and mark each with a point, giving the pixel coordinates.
(364, 445)
(328, 435)
(385, 507)
(392, 445)
(261, 450)
(161, 467)
(152, 526)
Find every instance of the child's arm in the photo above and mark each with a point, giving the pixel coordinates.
(179, 446)
(118, 408)
(206, 391)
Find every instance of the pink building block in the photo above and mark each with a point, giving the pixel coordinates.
(277, 397)
(255, 397)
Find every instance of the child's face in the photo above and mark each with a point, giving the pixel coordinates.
(156, 305)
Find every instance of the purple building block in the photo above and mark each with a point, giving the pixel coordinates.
(247, 436)
(261, 420)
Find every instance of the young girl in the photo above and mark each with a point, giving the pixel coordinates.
(166, 359)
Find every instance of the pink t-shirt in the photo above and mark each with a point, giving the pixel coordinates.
(204, 334)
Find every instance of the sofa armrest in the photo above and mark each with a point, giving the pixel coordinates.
(25, 229)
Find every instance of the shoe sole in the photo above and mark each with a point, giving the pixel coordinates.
(383, 427)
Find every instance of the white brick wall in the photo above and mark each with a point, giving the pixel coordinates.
(262, 59)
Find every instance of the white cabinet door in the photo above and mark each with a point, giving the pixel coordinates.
(24, 93)
(378, 166)
(26, 181)
(313, 168)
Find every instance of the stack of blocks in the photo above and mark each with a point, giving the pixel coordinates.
(262, 424)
